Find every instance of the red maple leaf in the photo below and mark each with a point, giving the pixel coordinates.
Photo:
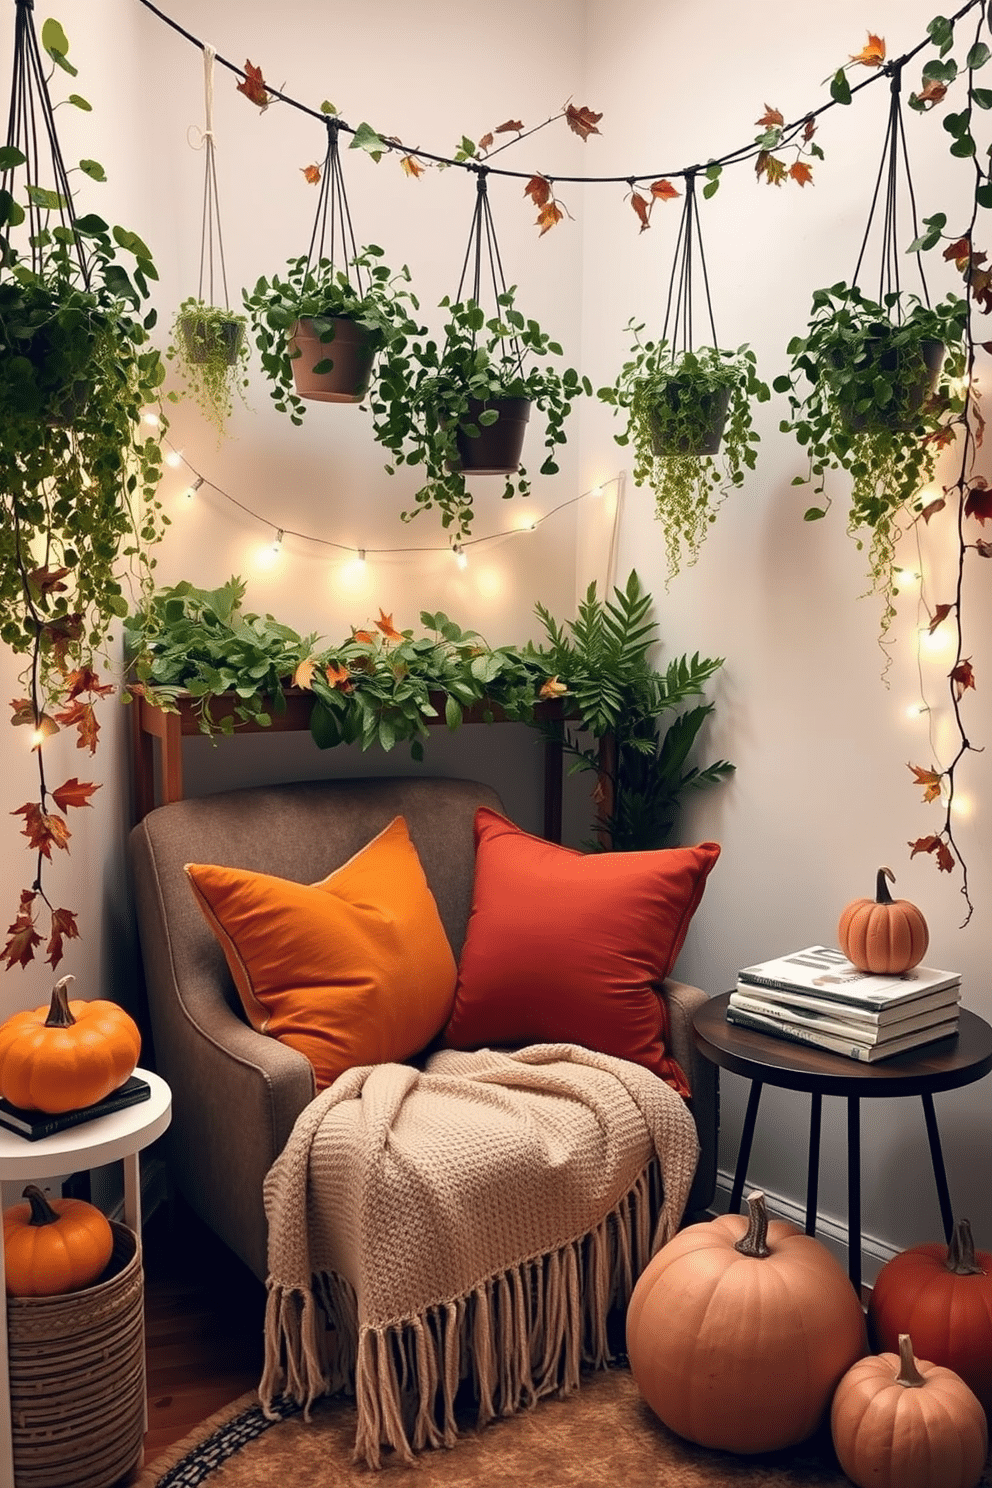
(663, 190)
(538, 188)
(43, 829)
(64, 927)
(385, 624)
(801, 172)
(85, 679)
(253, 86)
(22, 935)
(939, 615)
(73, 793)
(82, 717)
(963, 677)
(937, 845)
(978, 502)
(582, 121)
(771, 118)
(642, 207)
(929, 779)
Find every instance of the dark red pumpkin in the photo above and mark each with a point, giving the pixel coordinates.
(942, 1296)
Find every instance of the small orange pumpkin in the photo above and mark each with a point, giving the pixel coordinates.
(66, 1055)
(883, 935)
(738, 1332)
(942, 1296)
(54, 1246)
(900, 1422)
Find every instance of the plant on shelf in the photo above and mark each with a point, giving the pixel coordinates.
(382, 686)
(689, 423)
(874, 388)
(319, 329)
(615, 698)
(208, 345)
(447, 407)
(80, 465)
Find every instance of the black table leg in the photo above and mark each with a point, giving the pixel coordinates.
(937, 1158)
(813, 1168)
(744, 1150)
(854, 1192)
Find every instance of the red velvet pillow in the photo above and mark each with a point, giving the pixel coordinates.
(568, 947)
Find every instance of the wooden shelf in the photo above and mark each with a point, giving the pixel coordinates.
(157, 745)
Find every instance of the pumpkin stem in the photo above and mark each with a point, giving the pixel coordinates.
(908, 1374)
(60, 1013)
(753, 1242)
(882, 895)
(961, 1252)
(42, 1212)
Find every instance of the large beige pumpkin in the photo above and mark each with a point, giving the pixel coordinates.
(900, 1422)
(739, 1330)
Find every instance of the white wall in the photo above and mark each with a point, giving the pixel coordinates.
(822, 795)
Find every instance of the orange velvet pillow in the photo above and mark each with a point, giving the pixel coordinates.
(353, 970)
(568, 947)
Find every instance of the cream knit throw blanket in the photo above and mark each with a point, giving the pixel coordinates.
(474, 1219)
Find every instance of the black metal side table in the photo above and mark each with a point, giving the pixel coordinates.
(763, 1059)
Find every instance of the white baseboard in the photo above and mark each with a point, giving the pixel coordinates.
(829, 1229)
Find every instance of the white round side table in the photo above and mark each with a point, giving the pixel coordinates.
(117, 1137)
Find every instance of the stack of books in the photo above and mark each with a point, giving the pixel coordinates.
(817, 996)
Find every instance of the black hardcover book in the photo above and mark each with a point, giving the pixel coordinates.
(33, 1125)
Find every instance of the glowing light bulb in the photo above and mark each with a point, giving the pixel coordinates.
(962, 806)
(192, 489)
(174, 458)
(934, 641)
(904, 577)
(268, 556)
(596, 491)
(44, 729)
(151, 419)
(917, 710)
(352, 576)
(461, 557)
(528, 522)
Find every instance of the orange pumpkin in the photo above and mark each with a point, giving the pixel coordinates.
(66, 1055)
(738, 1332)
(942, 1296)
(54, 1246)
(900, 1422)
(883, 935)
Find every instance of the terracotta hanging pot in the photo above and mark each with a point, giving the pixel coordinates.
(919, 379)
(203, 338)
(713, 416)
(498, 447)
(334, 371)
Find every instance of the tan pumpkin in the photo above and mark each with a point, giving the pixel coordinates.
(739, 1330)
(883, 935)
(900, 1422)
(66, 1055)
(52, 1246)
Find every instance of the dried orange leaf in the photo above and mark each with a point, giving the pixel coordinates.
(873, 54)
(43, 829)
(939, 615)
(303, 676)
(339, 677)
(253, 86)
(311, 174)
(978, 502)
(64, 927)
(553, 688)
(801, 172)
(963, 677)
(929, 779)
(582, 120)
(73, 793)
(549, 215)
(385, 624)
(512, 126)
(411, 165)
(771, 117)
(664, 190)
(485, 141)
(85, 679)
(642, 207)
(22, 936)
(538, 188)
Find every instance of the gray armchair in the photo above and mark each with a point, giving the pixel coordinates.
(237, 1093)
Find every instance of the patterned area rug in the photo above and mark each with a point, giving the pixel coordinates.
(601, 1436)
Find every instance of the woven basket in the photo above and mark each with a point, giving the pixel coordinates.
(77, 1378)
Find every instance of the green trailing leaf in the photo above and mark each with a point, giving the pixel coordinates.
(10, 157)
(80, 103)
(978, 56)
(93, 169)
(365, 138)
(327, 107)
(50, 201)
(941, 33)
(840, 88)
(56, 44)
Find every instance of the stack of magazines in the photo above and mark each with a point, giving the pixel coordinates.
(817, 996)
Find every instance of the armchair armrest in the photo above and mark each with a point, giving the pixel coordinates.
(682, 1002)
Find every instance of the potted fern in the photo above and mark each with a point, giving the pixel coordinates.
(872, 389)
(689, 423)
(461, 407)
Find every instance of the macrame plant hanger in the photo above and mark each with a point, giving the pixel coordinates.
(893, 150)
(211, 237)
(482, 256)
(30, 118)
(333, 232)
(681, 284)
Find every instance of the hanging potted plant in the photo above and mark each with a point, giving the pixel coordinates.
(208, 341)
(461, 408)
(873, 389)
(80, 464)
(689, 424)
(319, 329)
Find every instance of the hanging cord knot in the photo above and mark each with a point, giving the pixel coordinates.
(894, 71)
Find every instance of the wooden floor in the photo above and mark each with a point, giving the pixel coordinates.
(204, 1313)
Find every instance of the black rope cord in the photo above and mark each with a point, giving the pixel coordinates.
(893, 149)
(482, 252)
(732, 157)
(688, 244)
(29, 99)
(333, 232)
